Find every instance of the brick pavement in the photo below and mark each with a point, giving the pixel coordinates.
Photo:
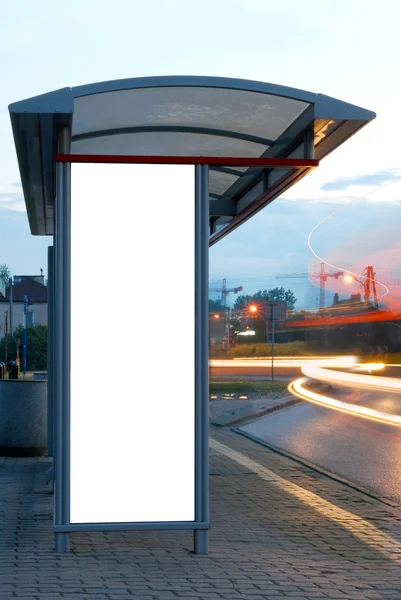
(279, 530)
(226, 412)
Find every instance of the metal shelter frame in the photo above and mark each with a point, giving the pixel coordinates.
(53, 130)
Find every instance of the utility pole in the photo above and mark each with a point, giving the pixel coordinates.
(17, 359)
(272, 318)
(24, 338)
(10, 300)
(6, 336)
(229, 327)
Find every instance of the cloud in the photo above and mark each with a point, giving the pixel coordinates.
(378, 178)
(12, 202)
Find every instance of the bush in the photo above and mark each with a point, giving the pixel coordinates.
(265, 350)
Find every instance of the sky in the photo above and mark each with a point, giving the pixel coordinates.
(348, 50)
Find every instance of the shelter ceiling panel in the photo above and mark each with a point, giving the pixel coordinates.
(247, 112)
(168, 144)
(219, 182)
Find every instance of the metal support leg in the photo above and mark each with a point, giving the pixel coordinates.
(201, 541)
(61, 380)
(62, 542)
(201, 537)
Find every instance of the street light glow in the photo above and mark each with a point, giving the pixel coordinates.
(253, 308)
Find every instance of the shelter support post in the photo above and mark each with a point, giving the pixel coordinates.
(201, 536)
(61, 389)
(50, 349)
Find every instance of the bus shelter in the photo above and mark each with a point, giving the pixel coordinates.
(133, 180)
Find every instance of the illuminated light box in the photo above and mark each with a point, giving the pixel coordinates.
(132, 378)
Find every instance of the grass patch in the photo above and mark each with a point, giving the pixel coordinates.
(232, 387)
(393, 358)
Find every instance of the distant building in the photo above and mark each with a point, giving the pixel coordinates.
(32, 286)
(38, 278)
(347, 304)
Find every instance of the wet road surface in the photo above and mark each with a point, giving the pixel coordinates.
(362, 451)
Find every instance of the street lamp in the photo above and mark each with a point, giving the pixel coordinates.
(253, 309)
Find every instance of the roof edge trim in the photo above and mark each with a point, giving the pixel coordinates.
(193, 81)
(59, 101)
(327, 107)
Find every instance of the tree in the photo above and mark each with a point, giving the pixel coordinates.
(257, 322)
(36, 345)
(5, 274)
(215, 306)
(267, 295)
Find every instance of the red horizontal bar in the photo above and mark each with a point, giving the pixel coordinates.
(225, 161)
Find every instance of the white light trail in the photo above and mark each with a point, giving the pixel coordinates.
(296, 388)
(314, 370)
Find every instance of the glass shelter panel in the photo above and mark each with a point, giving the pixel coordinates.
(248, 112)
(132, 343)
(334, 260)
(169, 144)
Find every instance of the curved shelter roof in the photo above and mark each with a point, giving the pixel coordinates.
(183, 116)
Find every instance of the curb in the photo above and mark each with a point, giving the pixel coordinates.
(390, 504)
(240, 421)
(321, 387)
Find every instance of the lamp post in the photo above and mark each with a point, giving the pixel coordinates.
(228, 328)
(270, 310)
(254, 310)
(272, 318)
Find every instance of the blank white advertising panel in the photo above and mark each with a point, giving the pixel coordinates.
(132, 343)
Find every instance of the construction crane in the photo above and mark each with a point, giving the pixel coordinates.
(322, 276)
(224, 291)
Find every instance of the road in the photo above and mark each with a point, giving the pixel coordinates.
(362, 451)
(256, 368)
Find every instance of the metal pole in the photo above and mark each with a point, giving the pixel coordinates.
(66, 333)
(17, 359)
(228, 328)
(201, 536)
(24, 336)
(272, 314)
(61, 427)
(50, 350)
(10, 299)
(6, 337)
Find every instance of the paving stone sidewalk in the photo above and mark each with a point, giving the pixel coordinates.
(225, 412)
(279, 530)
